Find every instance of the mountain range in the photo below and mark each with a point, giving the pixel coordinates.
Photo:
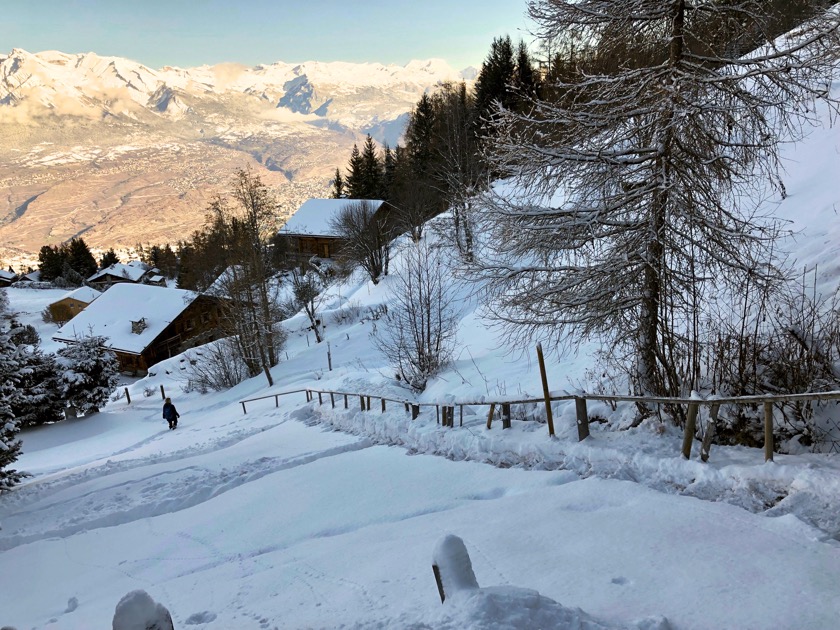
(120, 153)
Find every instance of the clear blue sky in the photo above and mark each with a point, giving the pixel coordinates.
(194, 32)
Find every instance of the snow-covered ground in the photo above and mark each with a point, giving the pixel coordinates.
(301, 516)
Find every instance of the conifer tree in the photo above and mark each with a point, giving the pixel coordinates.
(354, 182)
(493, 85)
(50, 262)
(38, 399)
(338, 185)
(80, 258)
(371, 172)
(10, 445)
(109, 258)
(89, 373)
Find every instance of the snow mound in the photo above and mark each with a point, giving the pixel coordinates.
(504, 607)
(138, 611)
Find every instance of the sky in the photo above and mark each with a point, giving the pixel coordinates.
(189, 33)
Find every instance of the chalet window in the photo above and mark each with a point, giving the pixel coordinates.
(205, 317)
(190, 324)
(326, 250)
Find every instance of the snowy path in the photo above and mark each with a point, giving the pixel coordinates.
(292, 526)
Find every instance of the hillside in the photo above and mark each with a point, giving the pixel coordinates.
(301, 516)
(107, 148)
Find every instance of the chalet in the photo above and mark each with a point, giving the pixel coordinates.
(72, 304)
(134, 272)
(145, 324)
(7, 277)
(309, 232)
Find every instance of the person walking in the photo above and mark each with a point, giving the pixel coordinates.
(170, 414)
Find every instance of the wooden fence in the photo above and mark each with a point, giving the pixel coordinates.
(445, 412)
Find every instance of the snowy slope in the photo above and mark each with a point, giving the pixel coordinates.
(301, 516)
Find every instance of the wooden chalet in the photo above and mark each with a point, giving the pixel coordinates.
(308, 233)
(7, 277)
(145, 324)
(133, 272)
(72, 304)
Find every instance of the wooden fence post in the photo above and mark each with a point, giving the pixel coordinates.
(437, 414)
(362, 401)
(243, 407)
(406, 406)
(506, 415)
(368, 403)
(548, 413)
(320, 400)
(582, 416)
(415, 411)
(711, 427)
(690, 428)
(383, 405)
(332, 400)
(127, 397)
(162, 393)
(277, 400)
(345, 401)
(461, 421)
(490, 415)
(768, 432)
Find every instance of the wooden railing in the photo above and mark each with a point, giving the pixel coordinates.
(445, 412)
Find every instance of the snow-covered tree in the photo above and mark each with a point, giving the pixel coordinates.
(9, 425)
(638, 184)
(89, 373)
(38, 399)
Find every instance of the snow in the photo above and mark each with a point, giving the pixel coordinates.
(314, 216)
(304, 516)
(112, 313)
(82, 294)
(133, 271)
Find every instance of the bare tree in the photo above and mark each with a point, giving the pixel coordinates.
(366, 237)
(638, 185)
(308, 288)
(251, 307)
(418, 333)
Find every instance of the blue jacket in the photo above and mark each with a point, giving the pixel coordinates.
(169, 412)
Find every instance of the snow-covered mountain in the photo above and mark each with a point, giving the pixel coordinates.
(354, 95)
(123, 153)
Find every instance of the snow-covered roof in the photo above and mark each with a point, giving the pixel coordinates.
(111, 315)
(33, 276)
(5, 274)
(313, 217)
(83, 294)
(133, 271)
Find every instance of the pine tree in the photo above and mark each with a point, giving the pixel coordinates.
(10, 445)
(354, 182)
(493, 85)
(89, 373)
(38, 399)
(109, 258)
(338, 185)
(80, 258)
(371, 172)
(50, 262)
(525, 78)
(419, 137)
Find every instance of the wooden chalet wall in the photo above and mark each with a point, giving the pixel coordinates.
(197, 324)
